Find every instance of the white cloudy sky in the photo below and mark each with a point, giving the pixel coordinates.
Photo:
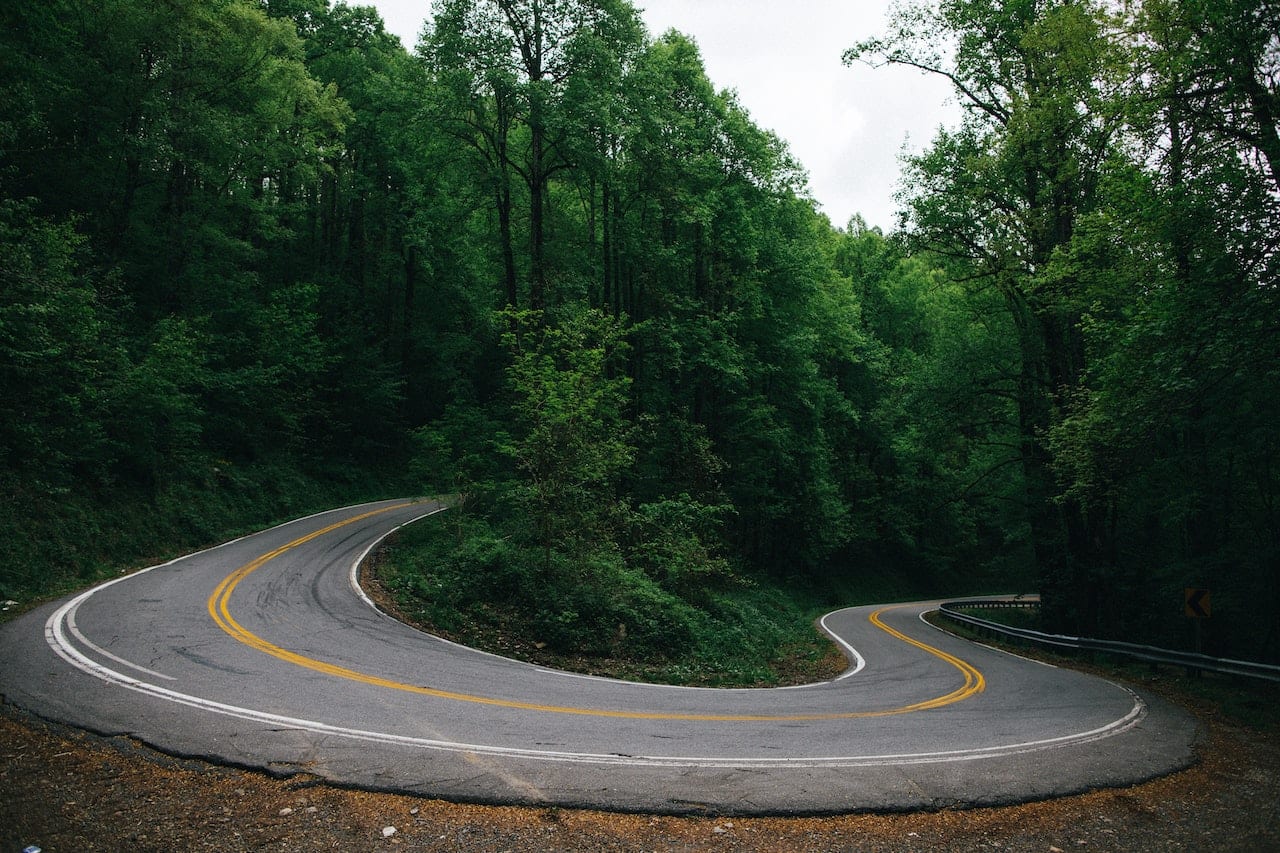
(846, 125)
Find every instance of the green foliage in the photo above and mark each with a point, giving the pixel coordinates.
(669, 543)
(1110, 182)
(466, 581)
(239, 238)
(570, 443)
(55, 354)
(53, 544)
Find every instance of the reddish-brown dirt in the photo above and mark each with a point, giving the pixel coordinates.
(64, 790)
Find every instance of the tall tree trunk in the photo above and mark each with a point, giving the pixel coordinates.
(503, 202)
(537, 201)
(356, 243)
(1033, 419)
(410, 295)
(606, 250)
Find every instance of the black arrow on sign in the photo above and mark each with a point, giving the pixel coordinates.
(1197, 603)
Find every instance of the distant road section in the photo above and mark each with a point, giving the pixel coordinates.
(264, 653)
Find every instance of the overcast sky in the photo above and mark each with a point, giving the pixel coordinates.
(846, 125)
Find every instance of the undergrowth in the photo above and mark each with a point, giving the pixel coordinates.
(460, 579)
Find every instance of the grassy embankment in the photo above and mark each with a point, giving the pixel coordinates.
(52, 545)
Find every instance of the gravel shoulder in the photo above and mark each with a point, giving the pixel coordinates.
(65, 790)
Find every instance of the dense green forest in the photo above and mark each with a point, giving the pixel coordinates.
(257, 256)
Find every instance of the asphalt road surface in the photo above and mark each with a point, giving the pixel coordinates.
(264, 653)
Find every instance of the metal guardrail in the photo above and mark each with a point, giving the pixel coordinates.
(1191, 661)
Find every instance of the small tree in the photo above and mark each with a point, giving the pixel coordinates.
(571, 441)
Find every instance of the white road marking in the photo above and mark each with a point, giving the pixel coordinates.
(75, 631)
(57, 639)
(858, 661)
(59, 625)
(354, 576)
(73, 606)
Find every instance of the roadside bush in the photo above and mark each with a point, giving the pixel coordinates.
(462, 577)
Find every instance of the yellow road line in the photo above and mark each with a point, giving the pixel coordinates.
(219, 610)
(974, 682)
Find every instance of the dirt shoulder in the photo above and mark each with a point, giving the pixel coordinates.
(65, 790)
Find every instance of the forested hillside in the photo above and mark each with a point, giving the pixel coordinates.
(259, 255)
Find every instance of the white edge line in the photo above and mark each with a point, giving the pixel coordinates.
(858, 660)
(55, 636)
(75, 631)
(354, 575)
(58, 642)
(353, 579)
(72, 607)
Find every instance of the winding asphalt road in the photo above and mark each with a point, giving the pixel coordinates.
(264, 653)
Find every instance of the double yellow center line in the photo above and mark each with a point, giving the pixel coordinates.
(219, 610)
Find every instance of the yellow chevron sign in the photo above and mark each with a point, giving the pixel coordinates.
(1196, 603)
